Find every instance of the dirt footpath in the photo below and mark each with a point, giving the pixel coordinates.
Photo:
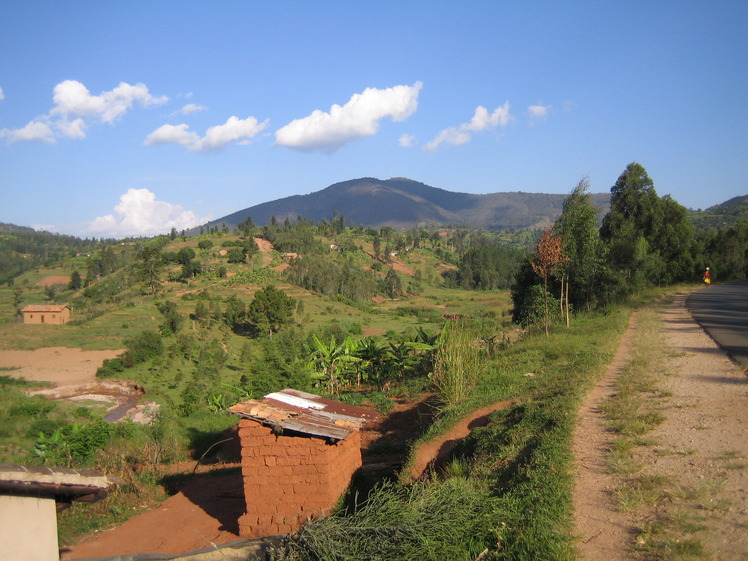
(700, 451)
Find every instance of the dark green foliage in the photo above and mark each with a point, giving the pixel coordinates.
(185, 255)
(236, 255)
(172, 318)
(74, 443)
(75, 281)
(44, 426)
(344, 278)
(392, 284)
(150, 263)
(578, 228)
(271, 309)
(205, 244)
(488, 267)
(142, 347)
(650, 239)
(297, 237)
(110, 368)
(725, 251)
(234, 312)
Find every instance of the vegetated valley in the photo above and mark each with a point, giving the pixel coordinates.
(459, 317)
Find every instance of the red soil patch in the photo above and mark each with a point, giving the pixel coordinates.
(204, 513)
(53, 280)
(434, 453)
(370, 331)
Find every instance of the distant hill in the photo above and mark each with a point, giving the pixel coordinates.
(723, 215)
(403, 203)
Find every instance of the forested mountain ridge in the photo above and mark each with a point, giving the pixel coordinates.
(401, 204)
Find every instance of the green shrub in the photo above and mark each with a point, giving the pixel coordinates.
(142, 347)
(111, 367)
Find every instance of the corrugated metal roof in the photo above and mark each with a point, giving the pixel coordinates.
(305, 413)
(63, 483)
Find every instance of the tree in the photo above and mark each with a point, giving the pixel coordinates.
(577, 227)
(172, 317)
(392, 284)
(205, 244)
(236, 255)
(634, 220)
(548, 258)
(271, 309)
(149, 255)
(75, 281)
(185, 255)
(246, 226)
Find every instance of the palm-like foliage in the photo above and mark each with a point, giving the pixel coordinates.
(333, 360)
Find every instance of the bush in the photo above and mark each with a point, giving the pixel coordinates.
(142, 347)
(110, 368)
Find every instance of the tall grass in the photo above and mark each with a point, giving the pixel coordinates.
(445, 521)
(458, 364)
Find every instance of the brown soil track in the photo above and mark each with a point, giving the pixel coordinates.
(432, 454)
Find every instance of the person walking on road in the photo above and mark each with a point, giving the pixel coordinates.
(707, 277)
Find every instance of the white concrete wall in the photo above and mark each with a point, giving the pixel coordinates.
(28, 529)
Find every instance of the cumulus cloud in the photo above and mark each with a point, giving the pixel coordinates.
(482, 120)
(75, 109)
(356, 119)
(538, 112)
(407, 140)
(233, 130)
(2, 94)
(140, 214)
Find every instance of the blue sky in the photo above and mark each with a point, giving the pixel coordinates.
(128, 118)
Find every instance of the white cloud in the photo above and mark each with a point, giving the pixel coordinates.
(75, 109)
(482, 120)
(191, 108)
(2, 94)
(407, 140)
(35, 130)
(538, 112)
(233, 130)
(356, 119)
(140, 214)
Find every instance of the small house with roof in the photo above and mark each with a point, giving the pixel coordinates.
(299, 452)
(49, 314)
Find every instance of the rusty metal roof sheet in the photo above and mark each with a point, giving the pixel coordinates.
(305, 413)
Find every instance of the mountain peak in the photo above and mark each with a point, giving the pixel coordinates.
(403, 203)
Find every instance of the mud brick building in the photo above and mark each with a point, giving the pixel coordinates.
(54, 314)
(299, 452)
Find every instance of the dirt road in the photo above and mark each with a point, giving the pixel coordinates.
(697, 456)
